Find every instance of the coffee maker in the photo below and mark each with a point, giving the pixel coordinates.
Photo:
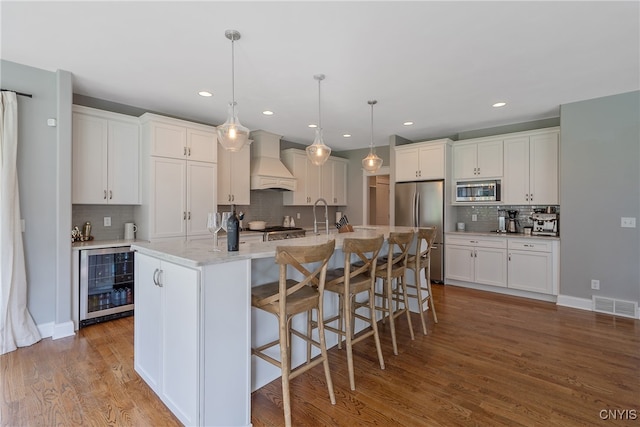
(502, 224)
(512, 221)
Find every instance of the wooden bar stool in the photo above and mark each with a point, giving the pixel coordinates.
(421, 260)
(289, 297)
(391, 269)
(348, 282)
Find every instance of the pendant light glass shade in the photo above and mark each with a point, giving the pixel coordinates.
(232, 135)
(372, 162)
(318, 152)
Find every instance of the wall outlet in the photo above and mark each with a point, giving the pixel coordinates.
(107, 221)
(595, 285)
(298, 215)
(628, 222)
(474, 217)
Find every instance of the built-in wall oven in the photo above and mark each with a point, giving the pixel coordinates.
(106, 284)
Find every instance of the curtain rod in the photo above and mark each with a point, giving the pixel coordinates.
(28, 95)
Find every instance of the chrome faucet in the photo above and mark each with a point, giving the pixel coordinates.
(326, 215)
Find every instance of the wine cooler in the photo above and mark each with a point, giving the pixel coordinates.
(106, 284)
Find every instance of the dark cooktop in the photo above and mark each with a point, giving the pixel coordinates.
(280, 228)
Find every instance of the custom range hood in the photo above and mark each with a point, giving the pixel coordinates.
(267, 171)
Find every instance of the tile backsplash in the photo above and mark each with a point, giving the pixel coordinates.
(95, 214)
(266, 205)
(487, 216)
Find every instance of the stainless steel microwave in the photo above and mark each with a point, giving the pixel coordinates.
(478, 191)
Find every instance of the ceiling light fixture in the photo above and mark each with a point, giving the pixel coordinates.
(347, 135)
(318, 152)
(232, 135)
(499, 104)
(407, 123)
(372, 162)
(205, 93)
(267, 113)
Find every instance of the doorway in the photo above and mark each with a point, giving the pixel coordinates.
(376, 197)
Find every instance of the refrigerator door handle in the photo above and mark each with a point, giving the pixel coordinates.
(416, 212)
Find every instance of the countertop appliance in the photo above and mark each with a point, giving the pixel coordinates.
(106, 284)
(421, 204)
(512, 221)
(478, 191)
(545, 224)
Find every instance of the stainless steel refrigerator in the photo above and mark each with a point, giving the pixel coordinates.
(421, 204)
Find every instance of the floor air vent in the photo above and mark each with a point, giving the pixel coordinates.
(615, 306)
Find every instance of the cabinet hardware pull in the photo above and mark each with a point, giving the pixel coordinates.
(110, 194)
(509, 257)
(233, 197)
(184, 215)
(184, 151)
(189, 216)
(105, 194)
(189, 151)
(531, 197)
(156, 277)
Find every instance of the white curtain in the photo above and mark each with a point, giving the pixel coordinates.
(17, 328)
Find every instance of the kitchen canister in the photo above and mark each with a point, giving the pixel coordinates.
(130, 231)
(460, 226)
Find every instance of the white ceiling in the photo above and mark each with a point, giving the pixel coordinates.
(439, 64)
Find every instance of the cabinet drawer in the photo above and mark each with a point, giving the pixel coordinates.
(530, 245)
(477, 241)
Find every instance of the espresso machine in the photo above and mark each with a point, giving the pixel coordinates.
(512, 221)
(545, 224)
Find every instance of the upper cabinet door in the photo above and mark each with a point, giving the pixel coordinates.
(490, 159)
(202, 145)
(340, 178)
(407, 164)
(465, 161)
(432, 162)
(543, 169)
(124, 163)
(168, 140)
(515, 187)
(478, 160)
(90, 144)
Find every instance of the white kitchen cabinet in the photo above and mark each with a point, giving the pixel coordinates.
(531, 169)
(166, 342)
(481, 159)
(421, 161)
(531, 265)
(479, 260)
(191, 346)
(234, 182)
(334, 179)
(179, 139)
(178, 193)
(106, 155)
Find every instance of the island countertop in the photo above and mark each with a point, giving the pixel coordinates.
(197, 253)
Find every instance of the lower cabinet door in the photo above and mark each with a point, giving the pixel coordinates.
(460, 263)
(147, 321)
(491, 266)
(531, 271)
(180, 334)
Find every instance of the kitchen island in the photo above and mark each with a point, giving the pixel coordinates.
(194, 325)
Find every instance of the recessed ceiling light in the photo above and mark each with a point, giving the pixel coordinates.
(313, 126)
(407, 123)
(347, 135)
(267, 113)
(205, 93)
(499, 104)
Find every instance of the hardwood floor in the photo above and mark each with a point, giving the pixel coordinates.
(491, 360)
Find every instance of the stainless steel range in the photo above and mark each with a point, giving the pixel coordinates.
(282, 233)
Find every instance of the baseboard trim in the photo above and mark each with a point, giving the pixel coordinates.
(56, 331)
(575, 302)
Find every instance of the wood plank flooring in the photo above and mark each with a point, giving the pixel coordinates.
(492, 360)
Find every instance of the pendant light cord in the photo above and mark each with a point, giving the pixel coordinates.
(319, 111)
(233, 79)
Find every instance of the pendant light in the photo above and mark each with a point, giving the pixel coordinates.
(232, 135)
(318, 152)
(371, 163)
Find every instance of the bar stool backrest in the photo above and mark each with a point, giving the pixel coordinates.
(361, 247)
(396, 260)
(296, 256)
(424, 243)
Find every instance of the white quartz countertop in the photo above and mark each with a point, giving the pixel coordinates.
(503, 235)
(199, 253)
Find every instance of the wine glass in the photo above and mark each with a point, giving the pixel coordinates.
(214, 223)
(225, 220)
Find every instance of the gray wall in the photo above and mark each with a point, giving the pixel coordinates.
(42, 185)
(599, 183)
